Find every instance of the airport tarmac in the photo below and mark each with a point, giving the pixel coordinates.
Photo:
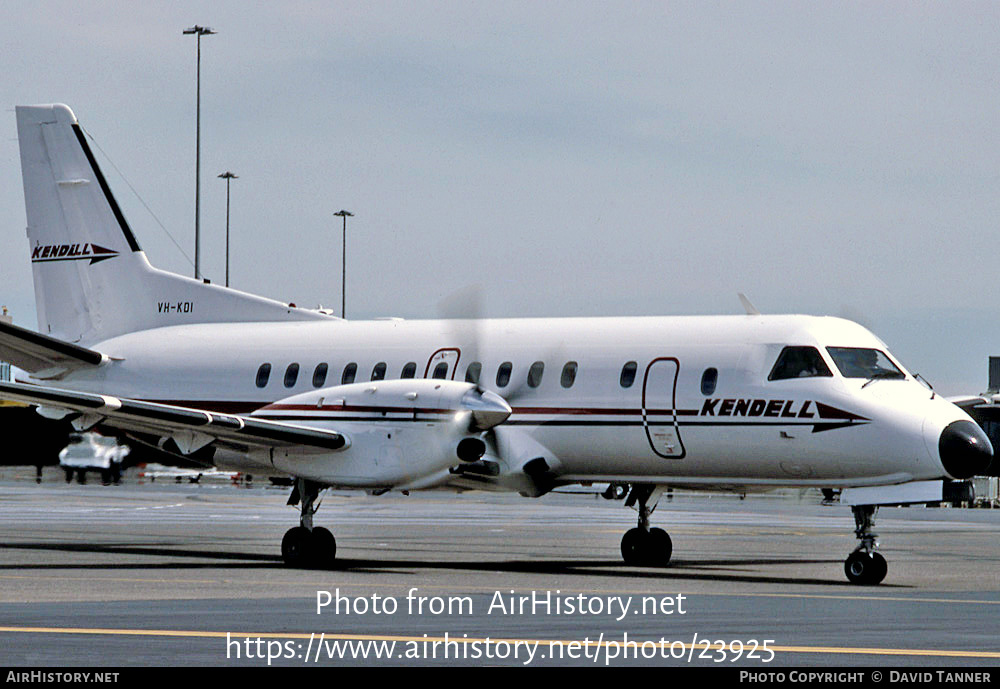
(171, 574)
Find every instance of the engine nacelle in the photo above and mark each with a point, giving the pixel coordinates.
(399, 432)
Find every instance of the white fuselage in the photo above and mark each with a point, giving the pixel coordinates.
(744, 431)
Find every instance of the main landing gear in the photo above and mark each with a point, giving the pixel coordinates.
(305, 545)
(865, 566)
(642, 545)
(651, 547)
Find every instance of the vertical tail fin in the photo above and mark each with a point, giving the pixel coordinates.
(92, 280)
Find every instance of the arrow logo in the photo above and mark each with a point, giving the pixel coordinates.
(71, 252)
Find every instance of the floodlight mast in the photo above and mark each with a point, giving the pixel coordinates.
(343, 268)
(227, 175)
(198, 31)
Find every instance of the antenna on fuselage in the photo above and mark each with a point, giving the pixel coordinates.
(747, 306)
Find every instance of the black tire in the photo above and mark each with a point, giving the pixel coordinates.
(632, 546)
(295, 546)
(324, 548)
(881, 569)
(865, 569)
(659, 547)
(646, 548)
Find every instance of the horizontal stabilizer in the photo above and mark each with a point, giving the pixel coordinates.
(43, 356)
(968, 402)
(196, 425)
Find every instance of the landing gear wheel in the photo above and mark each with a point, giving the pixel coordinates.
(660, 547)
(865, 569)
(646, 548)
(295, 546)
(632, 546)
(324, 547)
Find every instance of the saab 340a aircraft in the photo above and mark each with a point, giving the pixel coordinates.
(729, 403)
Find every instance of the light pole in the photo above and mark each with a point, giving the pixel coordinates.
(343, 270)
(199, 31)
(227, 175)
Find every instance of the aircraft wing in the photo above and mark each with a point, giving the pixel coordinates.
(41, 355)
(190, 428)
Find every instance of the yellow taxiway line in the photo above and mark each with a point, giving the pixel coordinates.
(838, 650)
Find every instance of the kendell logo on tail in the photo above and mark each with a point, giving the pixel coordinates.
(71, 252)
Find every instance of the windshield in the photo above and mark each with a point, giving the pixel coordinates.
(799, 362)
(857, 362)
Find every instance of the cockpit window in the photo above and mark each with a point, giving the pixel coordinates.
(856, 362)
(799, 362)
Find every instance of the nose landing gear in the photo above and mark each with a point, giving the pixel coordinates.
(865, 566)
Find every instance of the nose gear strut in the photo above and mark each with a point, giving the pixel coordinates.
(865, 566)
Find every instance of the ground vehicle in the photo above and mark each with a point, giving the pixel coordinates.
(93, 452)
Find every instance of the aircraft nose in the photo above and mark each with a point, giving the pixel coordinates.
(965, 450)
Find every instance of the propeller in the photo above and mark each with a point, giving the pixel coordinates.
(462, 311)
(531, 465)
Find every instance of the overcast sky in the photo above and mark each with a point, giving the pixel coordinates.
(572, 158)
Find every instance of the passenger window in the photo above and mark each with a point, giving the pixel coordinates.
(319, 375)
(799, 362)
(535, 374)
(568, 374)
(503, 374)
(473, 372)
(291, 375)
(440, 371)
(628, 374)
(263, 373)
(708, 381)
(350, 371)
(378, 373)
(409, 370)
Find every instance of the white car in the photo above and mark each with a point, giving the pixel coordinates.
(91, 451)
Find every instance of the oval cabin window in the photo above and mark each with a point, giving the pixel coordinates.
(708, 381)
(628, 374)
(473, 372)
(350, 371)
(291, 375)
(263, 373)
(568, 374)
(535, 374)
(319, 375)
(503, 374)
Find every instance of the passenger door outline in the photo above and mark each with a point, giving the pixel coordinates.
(451, 355)
(659, 407)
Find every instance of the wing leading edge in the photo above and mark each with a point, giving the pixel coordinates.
(193, 428)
